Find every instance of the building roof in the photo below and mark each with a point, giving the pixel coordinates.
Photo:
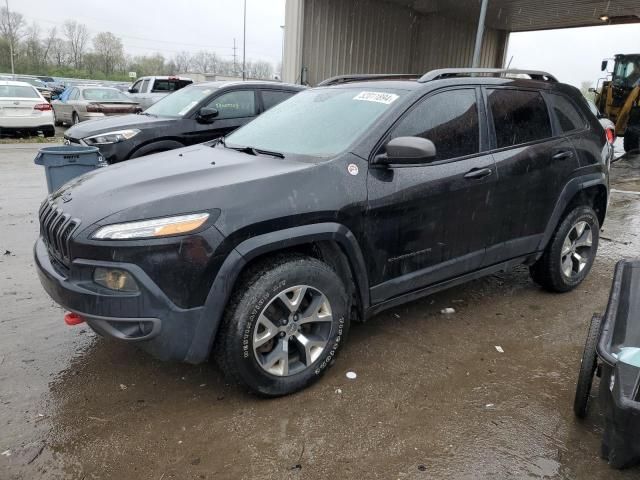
(530, 15)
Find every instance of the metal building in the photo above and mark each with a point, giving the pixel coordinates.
(324, 38)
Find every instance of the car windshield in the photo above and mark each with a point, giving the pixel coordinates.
(18, 91)
(319, 122)
(179, 103)
(104, 94)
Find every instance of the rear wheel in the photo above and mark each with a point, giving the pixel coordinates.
(631, 140)
(56, 122)
(283, 326)
(49, 132)
(571, 251)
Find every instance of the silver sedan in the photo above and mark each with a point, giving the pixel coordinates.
(81, 103)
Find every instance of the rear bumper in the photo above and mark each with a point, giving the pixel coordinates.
(27, 122)
(147, 318)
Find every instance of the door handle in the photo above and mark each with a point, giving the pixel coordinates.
(563, 155)
(478, 173)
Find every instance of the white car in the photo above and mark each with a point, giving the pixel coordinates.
(24, 109)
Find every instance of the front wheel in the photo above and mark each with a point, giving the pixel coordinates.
(571, 251)
(283, 326)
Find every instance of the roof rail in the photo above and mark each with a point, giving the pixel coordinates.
(453, 72)
(367, 77)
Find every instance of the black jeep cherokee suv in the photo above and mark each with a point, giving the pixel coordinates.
(334, 205)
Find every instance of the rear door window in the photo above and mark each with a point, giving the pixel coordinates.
(238, 104)
(449, 119)
(271, 98)
(169, 85)
(519, 116)
(568, 116)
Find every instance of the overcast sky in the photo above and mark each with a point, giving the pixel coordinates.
(573, 54)
(150, 26)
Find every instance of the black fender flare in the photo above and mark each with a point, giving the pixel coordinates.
(254, 247)
(573, 187)
(162, 145)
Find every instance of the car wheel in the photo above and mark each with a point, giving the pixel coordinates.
(56, 122)
(631, 141)
(75, 119)
(570, 253)
(49, 132)
(283, 325)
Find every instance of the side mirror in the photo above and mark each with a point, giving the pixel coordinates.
(133, 90)
(54, 97)
(603, 65)
(207, 114)
(592, 90)
(407, 151)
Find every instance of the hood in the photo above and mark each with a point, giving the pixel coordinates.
(120, 122)
(185, 180)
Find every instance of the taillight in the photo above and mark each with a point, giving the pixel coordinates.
(94, 108)
(611, 135)
(42, 107)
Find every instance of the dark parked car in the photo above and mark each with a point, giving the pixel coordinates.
(191, 115)
(261, 248)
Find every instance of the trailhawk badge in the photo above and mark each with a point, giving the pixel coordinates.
(353, 169)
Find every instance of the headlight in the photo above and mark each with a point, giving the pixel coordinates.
(111, 137)
(159, 227)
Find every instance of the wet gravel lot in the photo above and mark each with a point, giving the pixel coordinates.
(433, 397)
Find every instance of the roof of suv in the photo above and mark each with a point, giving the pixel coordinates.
(255, 83)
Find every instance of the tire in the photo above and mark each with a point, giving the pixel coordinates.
(246, 350)
(551, 271)
(75, 119)
(56, 122)
(588, 365)
(631, 141)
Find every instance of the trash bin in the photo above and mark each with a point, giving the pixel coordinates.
(612, 351)
(63, 163)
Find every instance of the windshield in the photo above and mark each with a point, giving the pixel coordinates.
(104, 94)
(18, 91)
(628, 71)
(320, 122)
(179, 103)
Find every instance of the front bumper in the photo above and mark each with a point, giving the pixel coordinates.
(147, 318)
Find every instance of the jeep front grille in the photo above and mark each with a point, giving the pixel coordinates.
(56, 228)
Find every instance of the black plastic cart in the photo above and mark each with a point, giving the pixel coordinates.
(612, 351)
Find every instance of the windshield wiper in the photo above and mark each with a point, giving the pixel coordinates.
(254, 151)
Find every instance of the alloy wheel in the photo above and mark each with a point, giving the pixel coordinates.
(576, 249)
(292, 331)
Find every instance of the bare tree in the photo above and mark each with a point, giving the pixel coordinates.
(58, 52)
(48, 42)
(205, 62)
(11, 26)
(77, 38)
(109, 51)
(182, 62)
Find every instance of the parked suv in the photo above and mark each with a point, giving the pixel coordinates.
(148, 90)
(194, 114)
(334, 205)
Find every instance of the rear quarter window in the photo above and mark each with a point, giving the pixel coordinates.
(567, 114)
(519, 116)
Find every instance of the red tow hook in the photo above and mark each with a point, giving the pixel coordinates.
(71, 319)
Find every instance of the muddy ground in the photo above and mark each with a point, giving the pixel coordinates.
(433, 397)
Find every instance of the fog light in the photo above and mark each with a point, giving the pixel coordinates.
(115, 279)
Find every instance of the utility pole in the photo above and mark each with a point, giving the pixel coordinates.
(13, 72)
(479, 34)
(244, 44)
(235, 63)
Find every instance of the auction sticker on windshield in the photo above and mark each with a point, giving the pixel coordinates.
(378, 97)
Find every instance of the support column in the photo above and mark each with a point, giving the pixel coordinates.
(293, 41)
(480, 34)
